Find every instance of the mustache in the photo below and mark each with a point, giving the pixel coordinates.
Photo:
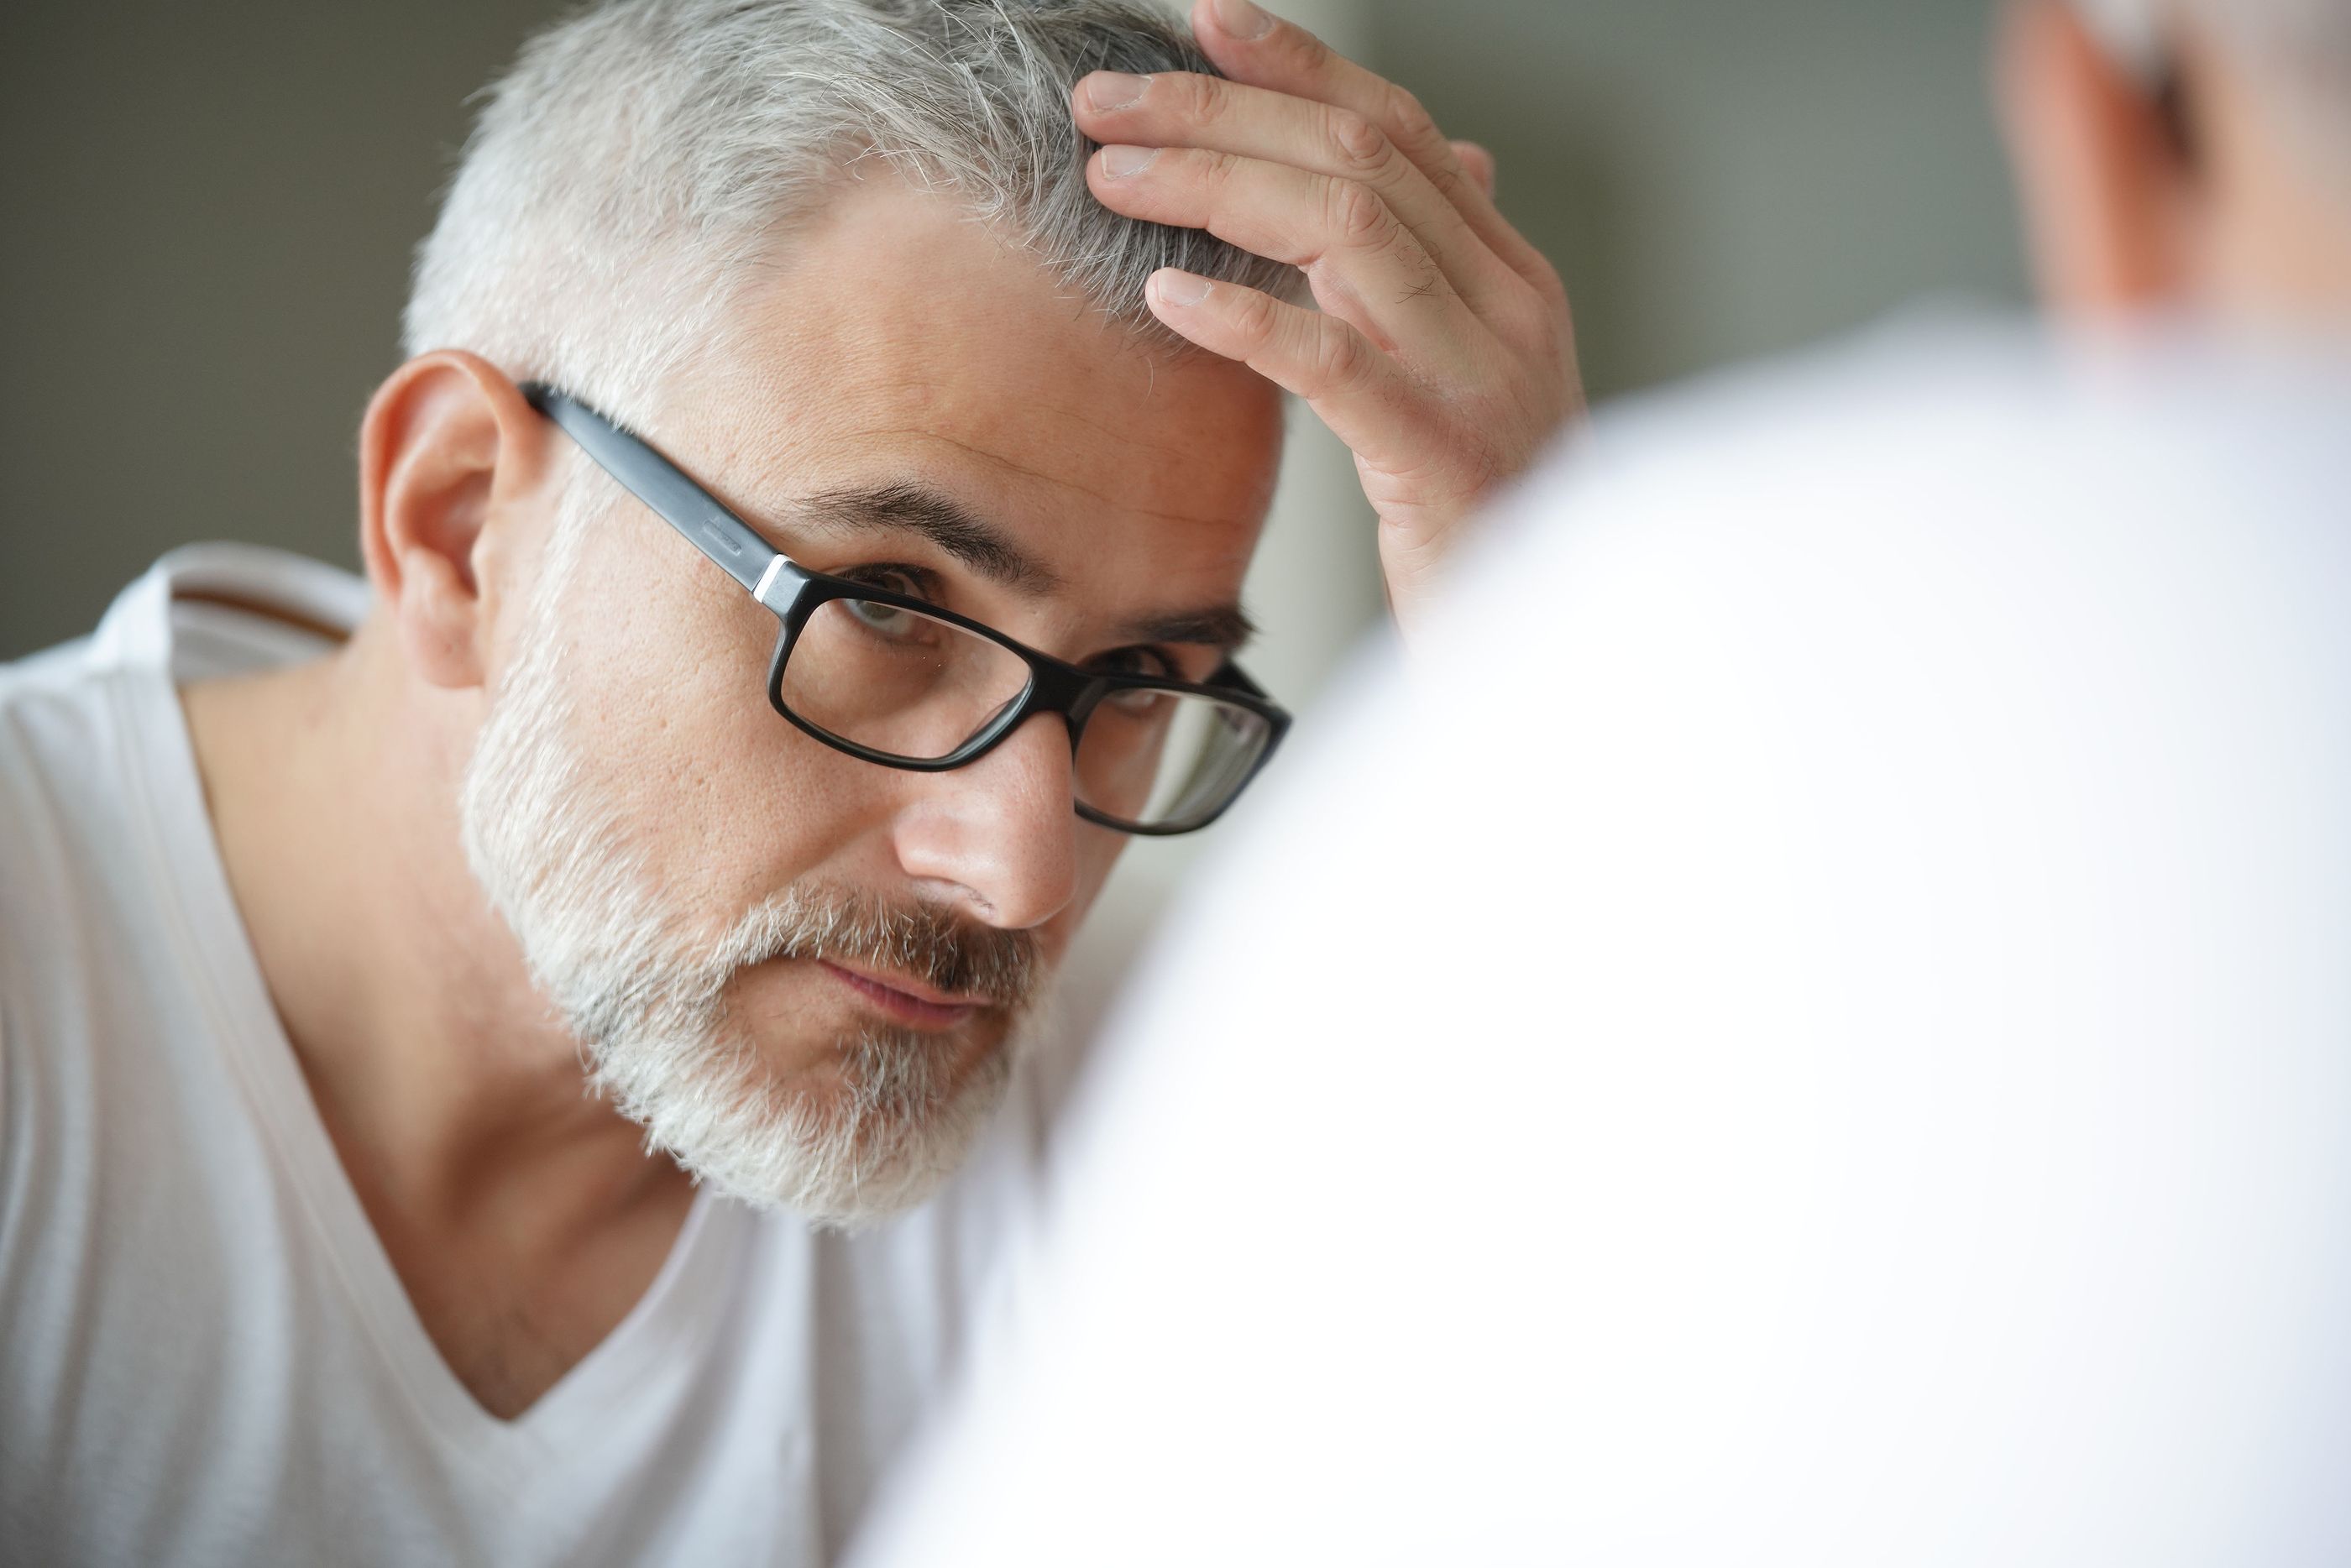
(929, 942)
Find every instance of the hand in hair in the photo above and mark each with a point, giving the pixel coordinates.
(1442, 354)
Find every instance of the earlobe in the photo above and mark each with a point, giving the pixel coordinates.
(447, 443)
(2102, 178)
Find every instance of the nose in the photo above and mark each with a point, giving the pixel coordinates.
(1001, 835)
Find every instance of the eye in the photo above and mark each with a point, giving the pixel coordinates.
(902, 580)
(890, 622)
(1150, 663)
(887, 620)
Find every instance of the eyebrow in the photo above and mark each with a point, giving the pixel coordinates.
(978, 543)
(941, 519)
(1226, 627)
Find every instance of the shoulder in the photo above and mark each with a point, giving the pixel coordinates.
(59, 747)
(77, 865)
(62, 715)
(58, 762)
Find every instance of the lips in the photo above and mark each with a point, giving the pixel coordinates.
(906, 1000)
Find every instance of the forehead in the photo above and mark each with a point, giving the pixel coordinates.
(896, 341)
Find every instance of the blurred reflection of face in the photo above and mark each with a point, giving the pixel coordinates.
(804, 974)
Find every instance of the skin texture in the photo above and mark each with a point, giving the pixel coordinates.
(523, 1218)
(2239, 226)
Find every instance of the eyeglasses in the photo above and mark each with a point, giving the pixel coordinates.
(900, 682)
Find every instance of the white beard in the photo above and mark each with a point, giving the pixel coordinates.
(648, 1007)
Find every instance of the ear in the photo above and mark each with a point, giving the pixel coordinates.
(2106, 187)
(449, 451)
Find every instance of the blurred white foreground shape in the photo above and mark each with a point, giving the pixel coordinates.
(1812, 1026)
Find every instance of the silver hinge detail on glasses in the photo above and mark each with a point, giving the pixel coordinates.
(767, 581)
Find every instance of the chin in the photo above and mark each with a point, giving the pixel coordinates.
(889, 1126)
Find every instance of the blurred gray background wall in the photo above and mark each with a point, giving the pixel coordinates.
(209, 211)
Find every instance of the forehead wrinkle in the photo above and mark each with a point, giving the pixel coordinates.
(1123, 436)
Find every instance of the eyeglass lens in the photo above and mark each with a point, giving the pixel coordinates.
(895, 680)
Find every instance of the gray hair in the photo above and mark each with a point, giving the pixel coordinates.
(644, 159)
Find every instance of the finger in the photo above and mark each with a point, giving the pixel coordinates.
(1286, 57)
(1477, 163)
(1182, 108)
(1363, 264)
(1361, 394)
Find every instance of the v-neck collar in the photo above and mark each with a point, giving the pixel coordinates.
(671, 1325)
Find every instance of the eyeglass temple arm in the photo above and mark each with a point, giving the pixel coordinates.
(655, 480)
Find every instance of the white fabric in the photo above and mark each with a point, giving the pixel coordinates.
(205, 1356)
(1815, 1029)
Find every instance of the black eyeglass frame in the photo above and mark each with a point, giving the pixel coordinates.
(792, 594)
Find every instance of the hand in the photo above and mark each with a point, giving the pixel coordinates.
(1442, 354)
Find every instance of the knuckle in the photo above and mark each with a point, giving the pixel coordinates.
(1217, 172)
(1256, 317)
(1408, 122)
(1297, 48)
(1201, 99)
(1355, 213)
(1340, 355)
(1362, 147)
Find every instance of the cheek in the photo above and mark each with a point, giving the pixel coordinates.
(724, 801)
(770, 804)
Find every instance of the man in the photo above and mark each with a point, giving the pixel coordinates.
(1868, 1084)
(453, 1023)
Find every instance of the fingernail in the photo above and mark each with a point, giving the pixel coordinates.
(1182, 287)
(1115, 89)
(1120, 161)
(1242, 20)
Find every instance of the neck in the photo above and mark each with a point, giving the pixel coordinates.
(450, 1090)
